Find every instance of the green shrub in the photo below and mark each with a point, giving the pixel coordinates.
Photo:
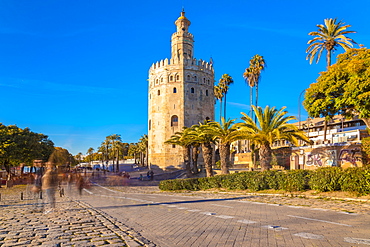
(326, 179)
(356, 180)
(295, 180)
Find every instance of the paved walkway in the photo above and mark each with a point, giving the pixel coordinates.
(74, 223)
(71, 224)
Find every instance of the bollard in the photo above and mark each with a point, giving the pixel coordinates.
(21, 196)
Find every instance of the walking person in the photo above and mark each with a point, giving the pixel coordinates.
(36, 187)
(49, 185)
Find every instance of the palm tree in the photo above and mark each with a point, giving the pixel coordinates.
(328, 37)
(143, 144)
(200, 134)
(225, 81)
(218, 92)
(90, 153)
(182, 139)
(272, 126)
(114, 141)
(225, 132)
(252, 75)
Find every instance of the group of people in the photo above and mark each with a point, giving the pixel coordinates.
(48, 180)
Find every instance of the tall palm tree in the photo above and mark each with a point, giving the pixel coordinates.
(113, 141)
(272, 126)
(218, 92)
(328, 37)
(252, 75)
(225, 132)
(225, 82)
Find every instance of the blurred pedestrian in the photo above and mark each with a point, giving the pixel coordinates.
(49, 185)
(151, 175)
(80, 183)
(36, 187)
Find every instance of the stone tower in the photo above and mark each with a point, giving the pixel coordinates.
(180, 94)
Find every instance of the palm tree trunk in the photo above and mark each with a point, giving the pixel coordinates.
(367, 122)
(207, 157)
(195, 159)
(325, 129)
(220, 109)
(224, 107)
(186, 153)
(265, 157)
(251, 101)
(255, 117)
(225, 158)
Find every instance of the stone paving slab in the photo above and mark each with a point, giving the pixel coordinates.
(72, 223)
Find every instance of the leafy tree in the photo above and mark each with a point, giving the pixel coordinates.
(252, 75)
(22, 146)
(344, 88)
(61, 157)
(328, 37)
(113, 142)
(271, 125)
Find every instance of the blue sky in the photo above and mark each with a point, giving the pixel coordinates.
(77, 70)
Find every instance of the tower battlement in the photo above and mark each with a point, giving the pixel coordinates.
(194, 63)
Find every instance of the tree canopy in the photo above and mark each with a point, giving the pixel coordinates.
(343, 89)
(22, 146)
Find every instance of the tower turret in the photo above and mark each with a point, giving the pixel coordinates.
(182, 41)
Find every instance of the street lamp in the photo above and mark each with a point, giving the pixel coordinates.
(299, 108)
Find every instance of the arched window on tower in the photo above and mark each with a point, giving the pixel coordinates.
(192, 90)
(195, 78)
(204, 80)
(188, 77)
(174, 90)
(177, 77)
(174, 121)
(162, 79)
(159, 92)
(171, 78)
(150, 124)
(206, 92)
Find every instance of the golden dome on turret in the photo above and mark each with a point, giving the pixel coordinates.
(182, 17)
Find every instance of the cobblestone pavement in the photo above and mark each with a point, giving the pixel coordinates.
(71, 224)
(75, 223)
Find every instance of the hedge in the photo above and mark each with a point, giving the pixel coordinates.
(356, 180)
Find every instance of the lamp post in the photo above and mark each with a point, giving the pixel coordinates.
(299, 108)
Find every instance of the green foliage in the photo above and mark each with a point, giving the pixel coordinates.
(365, 146)
(296, 180)
(22, 146)
(326, 179)
(343, 89)
(355, 180)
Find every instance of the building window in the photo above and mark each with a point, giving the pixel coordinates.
(161, 79)
(171, 78)
(195, 78)
(174, 121)
(204, 80)
(192, 90)
(173, 146)
(177, 77)
(159, 92)
(174, 90)
(156, 81)
(206, 92)
(150, 124)
(188, 77)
